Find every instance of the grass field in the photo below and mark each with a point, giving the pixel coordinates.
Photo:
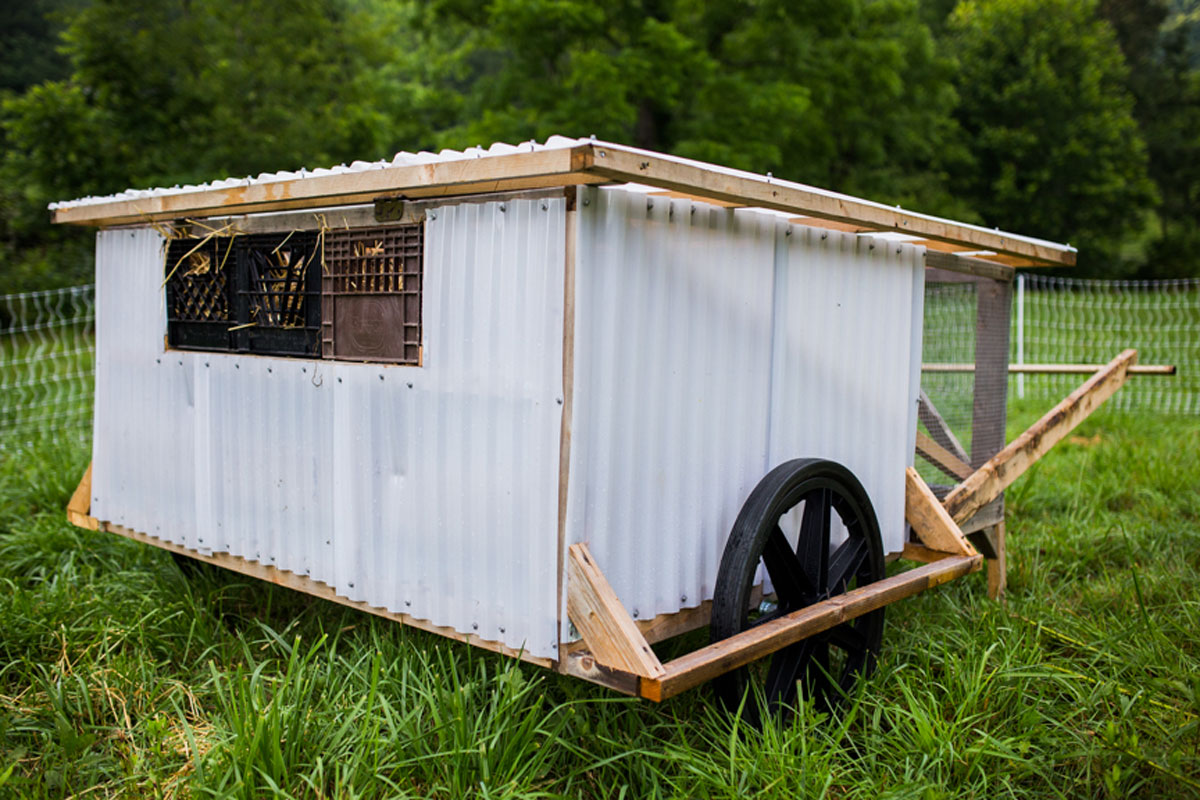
(119, 677)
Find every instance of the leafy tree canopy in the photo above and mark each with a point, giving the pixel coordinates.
(1056, 150)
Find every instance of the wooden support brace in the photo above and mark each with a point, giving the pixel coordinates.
(609, 632)
(932, 419)
(986, 483)
(724, 656)
(80, 506)
(942, 458)
(929, 519)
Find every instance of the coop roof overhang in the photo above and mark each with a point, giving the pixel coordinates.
(561, 162)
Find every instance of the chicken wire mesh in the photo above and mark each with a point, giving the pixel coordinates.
(46, 351)
(46, 365)
(1074, 321)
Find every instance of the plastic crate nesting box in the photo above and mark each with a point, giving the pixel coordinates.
(416, 384)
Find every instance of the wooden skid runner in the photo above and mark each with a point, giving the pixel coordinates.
(706, 663)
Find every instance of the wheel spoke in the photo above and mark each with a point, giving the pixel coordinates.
(848, 638)
(785, 670)
(818, 681)
(845, 563)
(791, 582)
(813, 547)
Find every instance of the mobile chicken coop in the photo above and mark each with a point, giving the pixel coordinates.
(521, 397)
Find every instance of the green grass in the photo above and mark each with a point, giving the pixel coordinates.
(118, 677)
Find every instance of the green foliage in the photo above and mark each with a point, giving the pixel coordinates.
(1056, 149)
(120, 677)
(1071, 119)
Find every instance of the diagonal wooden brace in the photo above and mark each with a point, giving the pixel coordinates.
(611, 635)
(930, 521)
(986, 483)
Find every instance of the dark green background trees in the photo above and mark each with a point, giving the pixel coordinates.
(1075, 120)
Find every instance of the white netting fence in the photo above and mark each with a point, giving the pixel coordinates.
(46, 365)
(1072, 321)
(47, 351)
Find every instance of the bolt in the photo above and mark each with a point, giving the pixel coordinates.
(503, 207)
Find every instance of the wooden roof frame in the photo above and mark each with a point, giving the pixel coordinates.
(589, 162)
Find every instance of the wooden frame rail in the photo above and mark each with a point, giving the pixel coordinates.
(988, 250)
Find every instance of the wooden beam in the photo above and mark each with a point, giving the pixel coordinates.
(80, 505)
(528, 170)
(926, 555)
(969, 266)
(929, 519)
(931, 418)
(301, 583)
(750, 645)
(941, 458)
(1054, 369)
(1010, 463)
(639, 166)
(582, 664)
(596, 612)
(997, 568)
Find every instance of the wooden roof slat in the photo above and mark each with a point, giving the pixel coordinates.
(582, 163)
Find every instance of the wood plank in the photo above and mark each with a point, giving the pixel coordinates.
(80, 504)
(602, 621)
(716, 659)
(528, 170)
(926, 555)
(582, 664)
(1054, 369)
(932, 419)
(986, 483)
(324, 591)
(997, 568)
(969, 266)
(929, 519)
(941, 458)
(639, 166)
(568, 399)
(984, 518)
(581, 164)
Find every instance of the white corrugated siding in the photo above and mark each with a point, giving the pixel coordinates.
(431, 491)
(711, 345)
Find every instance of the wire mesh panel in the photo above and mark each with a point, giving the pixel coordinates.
(371, 287)
(46, 365)
(1073, 321)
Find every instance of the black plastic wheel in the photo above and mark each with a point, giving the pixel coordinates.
(786, 526)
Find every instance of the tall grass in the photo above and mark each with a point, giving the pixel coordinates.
(119, 677)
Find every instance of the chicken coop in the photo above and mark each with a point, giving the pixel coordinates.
(560, 401)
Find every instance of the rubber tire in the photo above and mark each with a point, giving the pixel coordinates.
(778, 492)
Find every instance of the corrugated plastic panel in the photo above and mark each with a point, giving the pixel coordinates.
(672, 381)
(847, 361)
(711, 345)
(430, 491)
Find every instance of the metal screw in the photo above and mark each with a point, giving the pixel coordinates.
(408, 602)
(474, 625)
(635, 613)
(560, 400)
(502, 629)
(433, 215)
(350, 584)
(683, 598)
(545, 206)
(380, 377)
(158, 361)
(269, 369)
(410, 384)
(587, 201)
(339, 380)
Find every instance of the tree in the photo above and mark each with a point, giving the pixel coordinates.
(183, 91)
(1055, 146)
(848, 94)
